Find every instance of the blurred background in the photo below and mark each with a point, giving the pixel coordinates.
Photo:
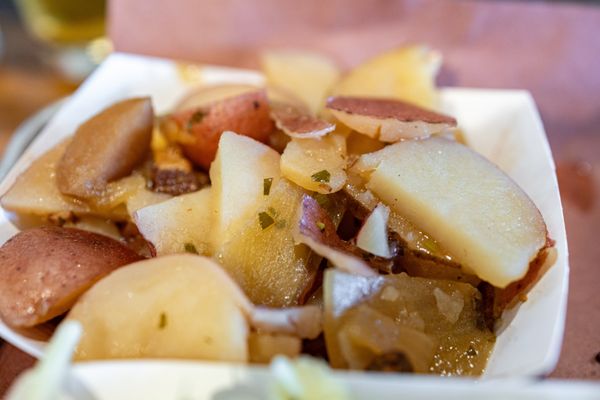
(551, 48)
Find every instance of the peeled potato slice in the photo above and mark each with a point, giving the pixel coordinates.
(405, 74)
(35, 190)
(373, 235)
(178, 225)
(318, 165)
(475, 211)
(388, 120)
(308, 76)
(180, 306)
(44, 270)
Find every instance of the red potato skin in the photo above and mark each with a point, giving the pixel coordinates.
(43, 271)
(246, 114)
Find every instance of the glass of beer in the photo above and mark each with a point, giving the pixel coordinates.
(72, 29)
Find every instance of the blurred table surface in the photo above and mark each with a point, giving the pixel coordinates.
(551, 49)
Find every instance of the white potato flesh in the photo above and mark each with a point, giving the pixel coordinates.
(407, 74)
(262, 255)
(309, 76)
(178, 306)
(388, 129)
(473, 209)
(263, 347)
(180, 224)
(373, 235)
(238, 178)
(35, 190)
(307, 162)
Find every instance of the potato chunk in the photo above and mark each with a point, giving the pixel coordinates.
(474, 210)
(35, 191)
(44, 270)
(178, 225)
(106, 147)
(263, 256)
(181, 306)
(308, 76)
(240, 173)
(406, 74)
(318, 165)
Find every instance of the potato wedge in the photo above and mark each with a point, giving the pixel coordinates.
(35, 191)
(106, 147)
(241, 175)
(246, 114)
(405, 74)
(177, 306)
(309, 76)
(263, 347)
(262, 255)
(44, 270)
(475, 211)
(181, 224)
(388, 120)
(318, 165)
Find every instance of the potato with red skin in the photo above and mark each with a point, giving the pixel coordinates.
(246, 114)
(43, 271)
(106, 147)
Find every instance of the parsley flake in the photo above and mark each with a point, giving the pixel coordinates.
(321, 176)
(190, 248)
(162, 322)
(267, 182)
(265, 220)
(196, 118)
(321, 226)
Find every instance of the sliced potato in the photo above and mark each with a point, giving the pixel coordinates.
(388, 120)
(474, 210)
(241, 174)
(262, 255)
(406, 74)
(358, 144)
(180, 306)
(318, 165)
(201, 128)
(263, 347)
(309, 76)
(106, 147)
(299, 124)
(373, 235)
(35, 190)
(44, 270)
(181, 224)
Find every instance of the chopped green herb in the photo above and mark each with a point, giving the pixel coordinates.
(190, 248)
(322, 199)
(321, 176)
(265, 220)
(280, 224)
(267, 182)
(272, 211)
(162, 322)
(196, 118)
(321, 226)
